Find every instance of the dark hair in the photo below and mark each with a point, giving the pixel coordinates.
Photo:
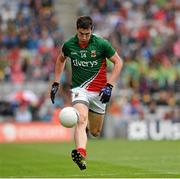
(84, 22)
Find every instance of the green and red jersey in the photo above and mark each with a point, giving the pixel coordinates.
(88, 64)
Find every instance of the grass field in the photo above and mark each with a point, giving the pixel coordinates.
(106, 159)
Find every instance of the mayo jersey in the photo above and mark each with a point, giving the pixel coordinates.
(88, 64)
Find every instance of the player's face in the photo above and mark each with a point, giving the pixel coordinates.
(84, 35)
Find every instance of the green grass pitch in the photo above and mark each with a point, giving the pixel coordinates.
(106, 159)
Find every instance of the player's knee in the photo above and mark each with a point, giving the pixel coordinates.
(95, 133)
(82, 120)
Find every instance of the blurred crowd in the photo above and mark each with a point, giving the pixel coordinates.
(146, 34)
(30, 37)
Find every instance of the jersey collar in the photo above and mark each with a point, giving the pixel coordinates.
(90, 40)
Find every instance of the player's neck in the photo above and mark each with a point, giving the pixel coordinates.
(82, 45)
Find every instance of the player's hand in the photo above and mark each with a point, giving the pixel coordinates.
(105, 93)
(54, 90)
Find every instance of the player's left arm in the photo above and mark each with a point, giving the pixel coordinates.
(105, 93)
(118, 64)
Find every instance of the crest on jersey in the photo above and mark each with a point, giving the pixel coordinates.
(93, 53)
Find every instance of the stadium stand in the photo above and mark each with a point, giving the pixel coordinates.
(144, 32)
(146, 35)
(30, 36)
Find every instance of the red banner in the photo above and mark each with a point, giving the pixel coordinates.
(33, 132)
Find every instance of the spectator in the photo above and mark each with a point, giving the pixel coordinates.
(23, 114)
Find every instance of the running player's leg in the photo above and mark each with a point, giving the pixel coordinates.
(80, 136)
(96, 114)
(95, 123)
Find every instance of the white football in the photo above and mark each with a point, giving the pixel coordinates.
(68, 117)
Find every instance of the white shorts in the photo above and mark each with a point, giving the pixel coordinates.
(89, 98)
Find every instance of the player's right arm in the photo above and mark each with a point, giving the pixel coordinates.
(59, 67)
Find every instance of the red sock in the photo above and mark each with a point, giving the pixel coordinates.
(82, 151)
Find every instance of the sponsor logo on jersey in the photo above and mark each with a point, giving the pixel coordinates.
(93, 53)
(85, 63)
(73, 53)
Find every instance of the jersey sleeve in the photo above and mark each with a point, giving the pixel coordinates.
(109, 51)
(65, 50)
